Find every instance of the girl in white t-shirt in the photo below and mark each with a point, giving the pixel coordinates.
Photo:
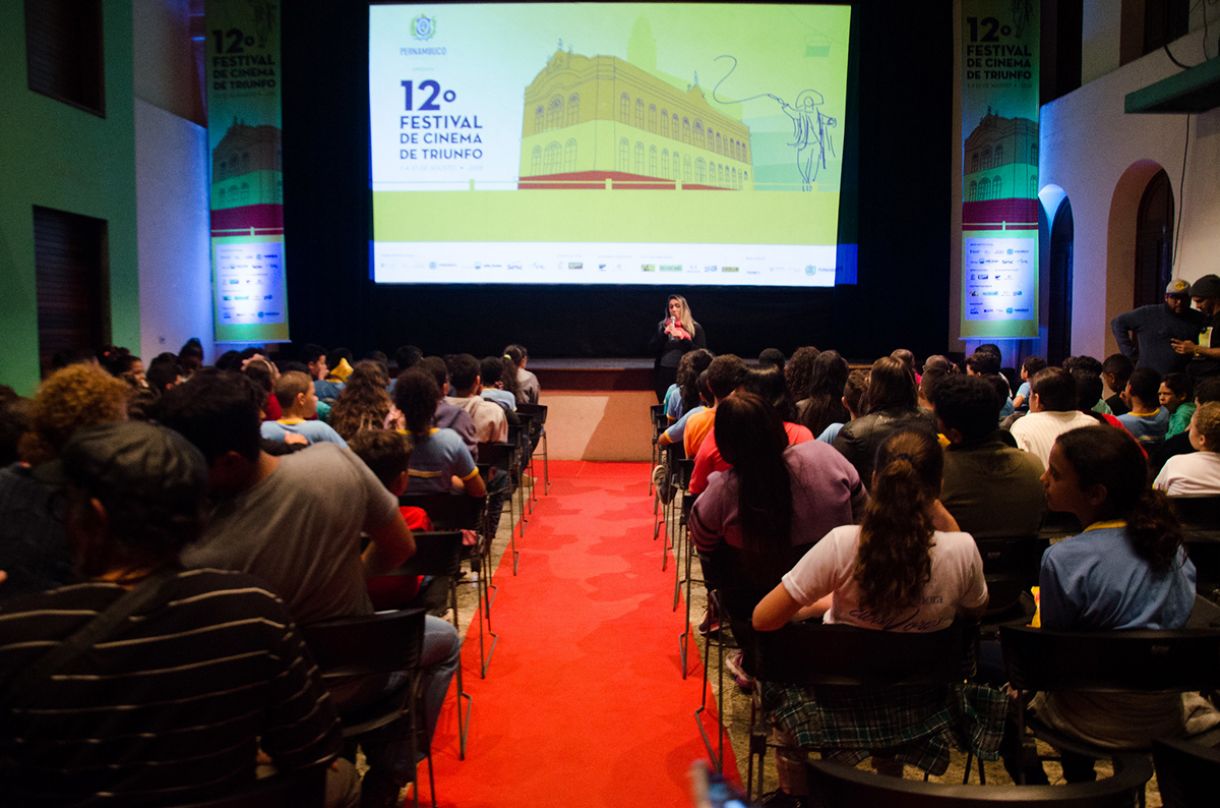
(906, 567)
(1197, 473)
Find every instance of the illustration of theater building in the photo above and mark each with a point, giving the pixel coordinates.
(1001, 174)
(592, 119)
(248, 181)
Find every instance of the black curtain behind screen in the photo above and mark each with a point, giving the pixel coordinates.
(896, 199)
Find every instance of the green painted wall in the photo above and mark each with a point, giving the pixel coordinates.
(58, 156)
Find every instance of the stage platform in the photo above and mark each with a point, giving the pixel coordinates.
(598, 407)
(593, 373)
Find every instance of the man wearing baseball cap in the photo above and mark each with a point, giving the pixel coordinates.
(146, 683)
(1145, 335)
(1203, 348)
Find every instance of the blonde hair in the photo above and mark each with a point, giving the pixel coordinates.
(1207, 422)
(73, 397)
(684, 317)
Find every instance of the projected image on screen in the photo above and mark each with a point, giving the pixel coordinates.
(607, 143)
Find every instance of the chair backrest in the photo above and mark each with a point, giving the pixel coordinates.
(813, 654)
(355, 648)
(1200, 516)
(301, 789)
(1017, 557)
(499, 455)
(1057, 525)
(537, 411)
(448, 511)
(1186, 773)
(1151, 661)
(839, 786)
(437, 552)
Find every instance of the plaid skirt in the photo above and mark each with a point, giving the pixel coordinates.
(916, 725)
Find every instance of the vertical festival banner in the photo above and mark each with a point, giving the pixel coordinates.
(999, 169)
(249, 290)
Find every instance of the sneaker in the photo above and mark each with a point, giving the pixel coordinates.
(710, 624)
(658, 476)
(744, 680)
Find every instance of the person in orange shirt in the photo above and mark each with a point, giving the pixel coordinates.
(724, 374)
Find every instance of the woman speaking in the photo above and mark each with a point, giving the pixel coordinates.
(676, 334)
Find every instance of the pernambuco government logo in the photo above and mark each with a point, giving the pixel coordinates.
(423, 27)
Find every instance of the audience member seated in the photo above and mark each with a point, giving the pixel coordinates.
(499, 386)
(164, 372)
(1176, 394)
(1205, 390)
(889, 407)
(852, 399)
(986, 362)
(675, 433)
(683, 395)
(190, 356)
(387, 454)
(991, 489)
(1088, 364)
(1052, 411)
(339, 363)
(724, 373)
(798, 372)
(1029, 368)
(772, 488)
(490, 425)
(1116, 372)
(447, 416)
(824, 405)
(33, 545)
(1198, 473)
(769, 385)
(264, 375)
(440, 461)
(528, 389)
(1146, 420)
(1127, 570)
(905, 567)
(364, 403)
(207, 671)
(299, 404)
(297, 522)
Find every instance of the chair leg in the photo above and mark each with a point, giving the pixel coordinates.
(717, 756)
(463, 715)
(546, 464)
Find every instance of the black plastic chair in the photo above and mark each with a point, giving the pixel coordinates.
(811, 655)
(300, 789)
(656, 416)
(1200, 520)
(503, 457)
(351, 651)
(1038, 660)
(1186, 773)
(1056, 525)
(1010, 565)
(538, 413)
(439, 554)
(838, 786)
(460, 512)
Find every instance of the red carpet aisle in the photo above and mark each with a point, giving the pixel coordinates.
(584, 704)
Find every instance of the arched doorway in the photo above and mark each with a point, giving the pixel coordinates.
(1059, 279)
(1154, 241)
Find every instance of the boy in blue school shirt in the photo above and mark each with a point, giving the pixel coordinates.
(299, 402)
(1148, 420)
